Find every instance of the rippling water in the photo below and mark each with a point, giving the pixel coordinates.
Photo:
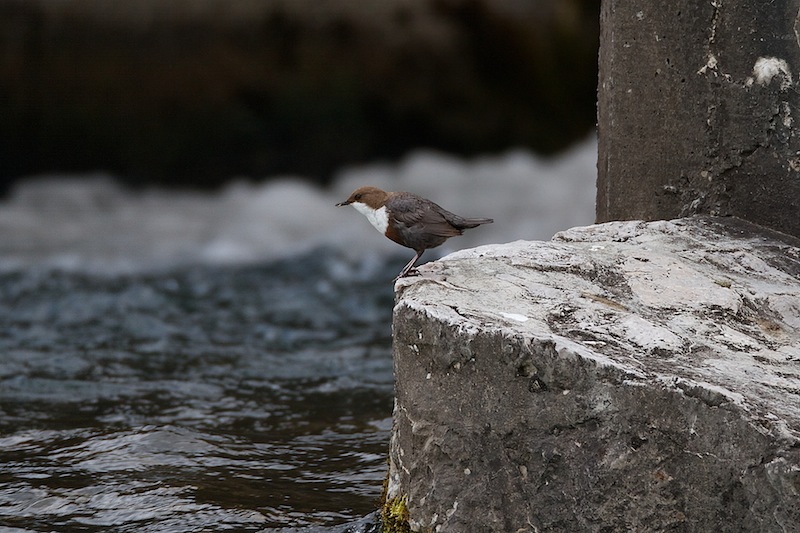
(200, 399)
(150, 381)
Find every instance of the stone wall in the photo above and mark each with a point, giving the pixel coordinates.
(623, 377)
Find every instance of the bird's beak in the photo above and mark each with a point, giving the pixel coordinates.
(340, 204)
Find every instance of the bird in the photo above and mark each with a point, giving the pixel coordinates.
(409, 220)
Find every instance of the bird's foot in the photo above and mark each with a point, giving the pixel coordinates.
(408, 273)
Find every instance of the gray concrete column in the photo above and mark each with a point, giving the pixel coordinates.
(698, 110)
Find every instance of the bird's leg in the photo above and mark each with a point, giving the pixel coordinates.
(407, 269)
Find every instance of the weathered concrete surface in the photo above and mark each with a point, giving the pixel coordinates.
(697, 111)
(629, 376)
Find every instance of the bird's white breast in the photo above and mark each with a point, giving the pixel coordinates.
(379, 218)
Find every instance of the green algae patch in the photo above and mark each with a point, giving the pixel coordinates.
(395, 516)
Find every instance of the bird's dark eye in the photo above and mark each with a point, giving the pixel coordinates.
(358, 196)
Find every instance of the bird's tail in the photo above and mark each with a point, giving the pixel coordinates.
(467, 223)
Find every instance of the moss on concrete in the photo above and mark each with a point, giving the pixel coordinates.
(394, 515)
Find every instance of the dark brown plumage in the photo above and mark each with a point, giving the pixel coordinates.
(410, 220)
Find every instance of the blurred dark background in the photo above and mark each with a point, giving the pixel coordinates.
(189, 93)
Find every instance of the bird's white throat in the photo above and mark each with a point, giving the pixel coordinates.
(377, 217)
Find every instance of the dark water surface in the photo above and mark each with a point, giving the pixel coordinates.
(202, 399)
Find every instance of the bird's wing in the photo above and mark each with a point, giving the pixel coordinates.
(406, 211)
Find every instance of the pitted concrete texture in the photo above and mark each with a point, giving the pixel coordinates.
(697, 111)
(628, 376)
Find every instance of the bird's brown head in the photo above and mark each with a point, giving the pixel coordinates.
(370, 196)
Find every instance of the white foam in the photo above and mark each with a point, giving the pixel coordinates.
(94, 222)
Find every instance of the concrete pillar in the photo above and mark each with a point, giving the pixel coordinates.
(698, 111)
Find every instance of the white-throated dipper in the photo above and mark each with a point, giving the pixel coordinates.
(409, 220)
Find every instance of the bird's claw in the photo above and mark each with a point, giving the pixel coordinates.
(410, 272)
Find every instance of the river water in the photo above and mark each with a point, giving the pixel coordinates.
(178, 361)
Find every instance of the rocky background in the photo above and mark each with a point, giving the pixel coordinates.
(193, 92)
